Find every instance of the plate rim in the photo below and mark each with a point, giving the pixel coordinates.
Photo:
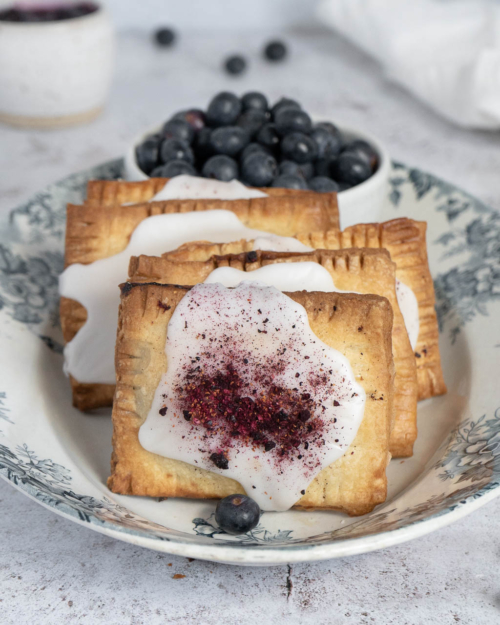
(282, 554)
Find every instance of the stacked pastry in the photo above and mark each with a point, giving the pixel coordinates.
(260, 349)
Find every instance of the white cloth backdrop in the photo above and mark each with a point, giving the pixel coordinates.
(446, 52)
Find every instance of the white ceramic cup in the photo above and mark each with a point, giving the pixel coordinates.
(55, 73)
(361, 204)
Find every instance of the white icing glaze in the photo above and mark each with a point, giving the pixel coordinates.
(303, 276)
(265, 336)
(278, 245)
(193, 188)
(89, 357)
(408, 305)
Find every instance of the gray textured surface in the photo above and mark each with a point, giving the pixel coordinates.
(53, 571)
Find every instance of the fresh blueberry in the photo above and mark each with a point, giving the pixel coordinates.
(178, 129)
(322, 167)
(237, 514)
(201, 144)
(268, 136)
(322, 184)
(147, 154)
(220, 167)
(252, 120)
(254, 147)
(298, 147)
(351, 168)
(284, 103)
(305, 171)
(259, 170)
(176, 150)
(194, 117)
(275, 51)
(343, 186)
(228, 140)
(364, 150)
(290, 120)
(165, 37)
(329, 127)
(329, 144)
(224, 109)
(254, 100)
(235, 65)
(289, 181)
(172, 169)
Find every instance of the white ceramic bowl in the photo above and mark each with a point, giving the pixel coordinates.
(361, 204)
(55, 73)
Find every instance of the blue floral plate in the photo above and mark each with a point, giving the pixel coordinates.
(60, 457)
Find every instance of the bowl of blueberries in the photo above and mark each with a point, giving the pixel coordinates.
(263, 145)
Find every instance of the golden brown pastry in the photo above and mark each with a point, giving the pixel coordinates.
(93, 233)
(354, 484)
(405, 240)
(359, 270)
(113, 192)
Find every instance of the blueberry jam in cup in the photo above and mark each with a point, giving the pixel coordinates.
(56, 62)
(26, 13)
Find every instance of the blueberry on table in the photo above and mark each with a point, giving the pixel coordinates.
(259, 170)
(223, 110)
(252, 148)
(329, 144)
(284, 103)
(268, 136)
(275, 51)
(298, 147)
(364, 150)
(237, 514)
(322, 184)
(252, 120)
(289, 181)
(174, 168)
(351, 168)
(147, 154)
(228, 140)
(194, 117)
(165, 37)
(178, 129)
(176, 150)
(220, 167)
(289, 120)
(254, 100)
(235, 65)
(305, 171)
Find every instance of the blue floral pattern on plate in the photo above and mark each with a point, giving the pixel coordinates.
(465, 245)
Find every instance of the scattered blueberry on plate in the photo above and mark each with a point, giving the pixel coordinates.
(262, 144)
(237, 514)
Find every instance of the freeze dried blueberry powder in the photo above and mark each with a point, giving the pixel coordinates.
(252, 393)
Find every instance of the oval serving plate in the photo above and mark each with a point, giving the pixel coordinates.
(60, 457)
